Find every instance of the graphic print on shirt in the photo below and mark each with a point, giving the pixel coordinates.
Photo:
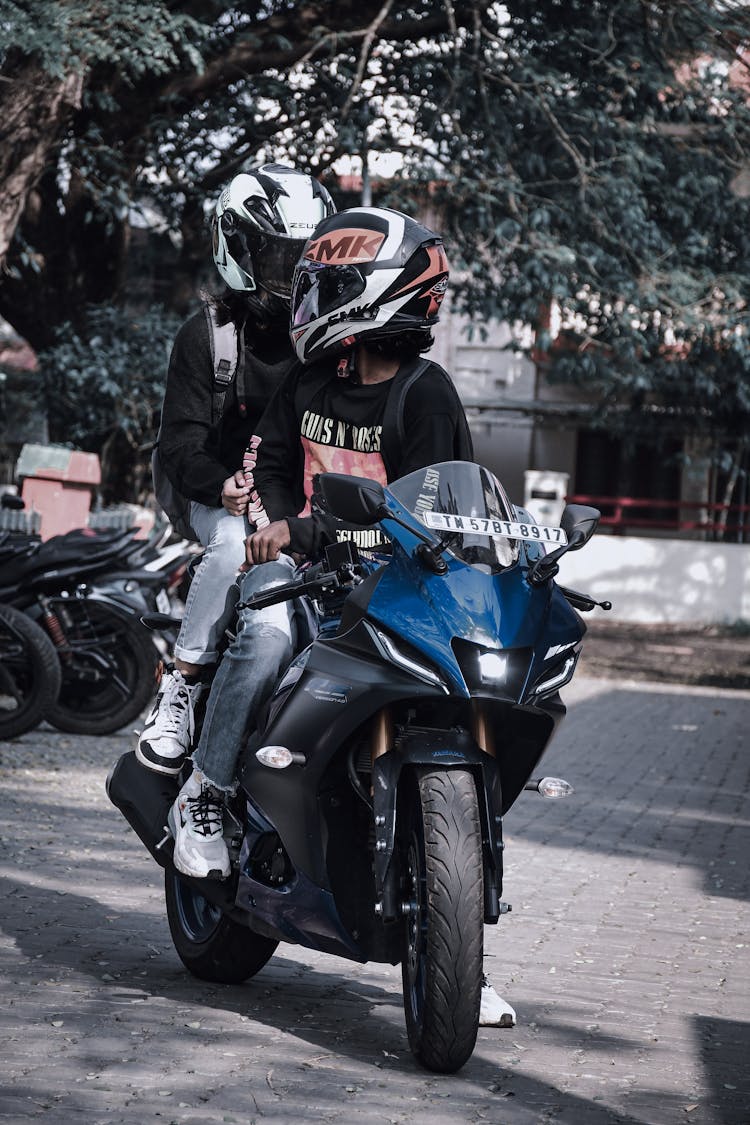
(332, 445)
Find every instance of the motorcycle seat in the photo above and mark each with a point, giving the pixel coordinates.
(80, 550)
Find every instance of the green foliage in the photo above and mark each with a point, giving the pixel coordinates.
(597, 170)
(107, 376)
(134, 37)
(581, 154)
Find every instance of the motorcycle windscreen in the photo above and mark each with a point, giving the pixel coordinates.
(467, 508)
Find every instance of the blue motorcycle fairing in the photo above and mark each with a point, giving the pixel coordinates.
(499, 611)
(562, 635)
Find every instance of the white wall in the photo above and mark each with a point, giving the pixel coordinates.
(666, 581)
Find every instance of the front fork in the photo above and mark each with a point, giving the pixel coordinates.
(447, 749)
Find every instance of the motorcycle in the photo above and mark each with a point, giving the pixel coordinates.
(29, 673)
(369, 822)
(87, 590)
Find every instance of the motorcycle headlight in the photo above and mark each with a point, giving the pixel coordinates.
(492, 671)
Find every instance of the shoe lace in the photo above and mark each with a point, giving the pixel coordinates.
(206, 812)
(175, 710)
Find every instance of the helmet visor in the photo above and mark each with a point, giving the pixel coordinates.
(275, 260)
(320, 290)
(267, 257)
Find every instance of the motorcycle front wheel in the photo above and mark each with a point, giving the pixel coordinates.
(29, 673)
(108, 665)
(210, 945)
(442, 881)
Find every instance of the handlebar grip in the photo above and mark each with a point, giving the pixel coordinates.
(273, 596)
(314, 582)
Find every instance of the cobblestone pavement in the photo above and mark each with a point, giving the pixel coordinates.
(626, 955)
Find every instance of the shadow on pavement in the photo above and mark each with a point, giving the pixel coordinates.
(326, 1009)
(677, 796)
(724, 1049)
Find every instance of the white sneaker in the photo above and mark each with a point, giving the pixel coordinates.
(493, 1010)
(166, 738)
(196, 821)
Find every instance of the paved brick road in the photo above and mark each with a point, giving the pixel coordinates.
(626, 954)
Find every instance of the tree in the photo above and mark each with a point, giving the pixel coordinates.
(117, 104)
(602, 168)
(103, 389)
(581, 155)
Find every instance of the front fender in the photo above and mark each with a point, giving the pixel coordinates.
(441, 749)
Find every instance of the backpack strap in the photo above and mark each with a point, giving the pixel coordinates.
(227, 357)
(394, 427)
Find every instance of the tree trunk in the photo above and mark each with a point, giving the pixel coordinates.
(34, 109)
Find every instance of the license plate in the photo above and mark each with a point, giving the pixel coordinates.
(481, 525)
(162, 602)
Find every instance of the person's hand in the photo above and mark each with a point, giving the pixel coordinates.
(235, 493)
(264, 545)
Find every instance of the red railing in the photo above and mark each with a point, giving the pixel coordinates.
(621, 513)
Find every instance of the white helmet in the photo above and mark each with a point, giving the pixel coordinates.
(262, 222)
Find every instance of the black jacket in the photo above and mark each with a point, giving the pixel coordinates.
(425, 425)
(197, 453)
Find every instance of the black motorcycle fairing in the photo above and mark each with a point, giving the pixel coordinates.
(336, 693)
(355, 606)
(299, 911)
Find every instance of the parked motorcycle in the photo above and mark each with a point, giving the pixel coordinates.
(369, 824)
(88, 591)
(30, 674)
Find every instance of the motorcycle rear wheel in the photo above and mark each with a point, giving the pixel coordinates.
(108, 670)
(29, 673)
(210, 945)
(441, 852)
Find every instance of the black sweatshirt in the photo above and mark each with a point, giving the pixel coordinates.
(318, 422)
(198, 456)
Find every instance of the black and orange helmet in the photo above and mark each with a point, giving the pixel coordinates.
(366, 272)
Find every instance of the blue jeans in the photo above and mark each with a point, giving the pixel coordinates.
(209, 609)
(248, 671)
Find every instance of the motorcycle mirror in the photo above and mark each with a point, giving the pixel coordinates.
(579, 522)
(353, 499)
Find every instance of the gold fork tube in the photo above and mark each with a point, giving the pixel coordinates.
(381, 734)
(480, 728)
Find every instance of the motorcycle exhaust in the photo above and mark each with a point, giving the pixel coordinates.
(144, 799)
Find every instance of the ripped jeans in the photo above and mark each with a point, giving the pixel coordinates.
(248, 671)
(209, 609)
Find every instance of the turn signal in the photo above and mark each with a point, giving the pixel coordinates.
(554, 787)
(278, 757)
(549, 787)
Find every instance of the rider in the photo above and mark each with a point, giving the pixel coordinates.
(366, 295)
(261, 223)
